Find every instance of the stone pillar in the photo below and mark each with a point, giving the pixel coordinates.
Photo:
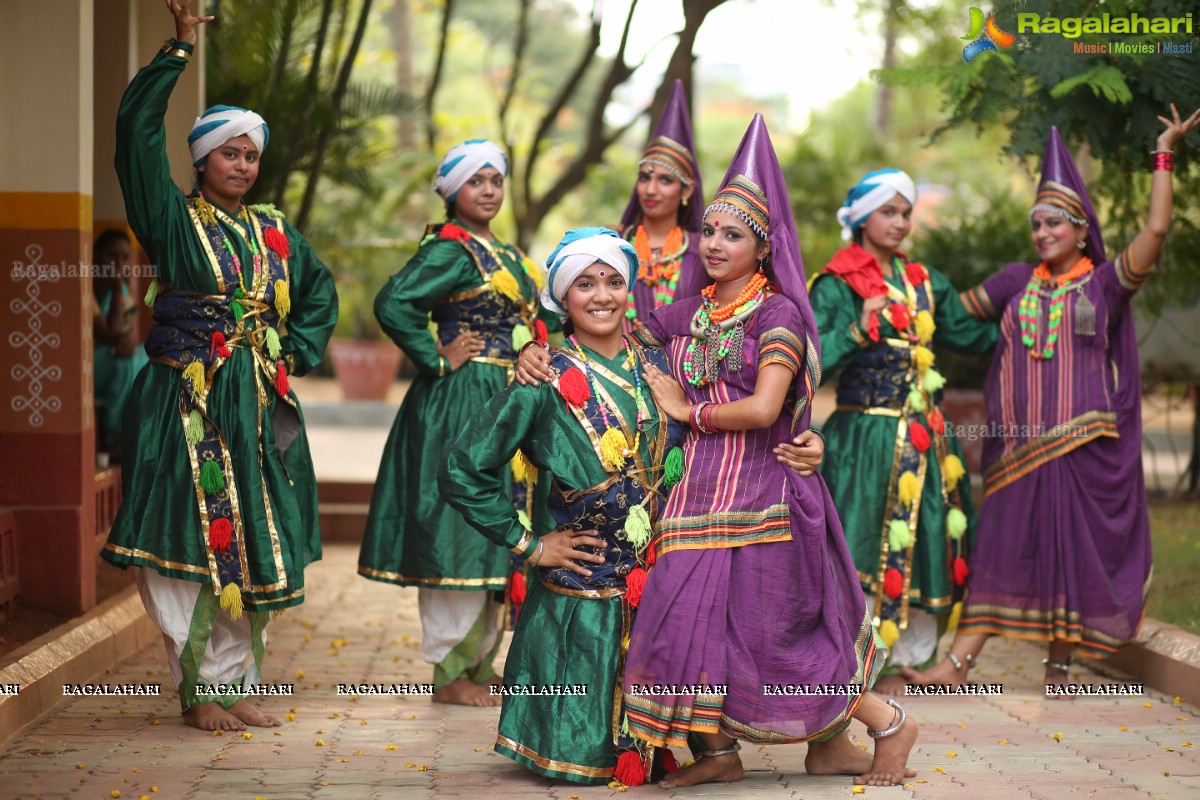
(46, 414)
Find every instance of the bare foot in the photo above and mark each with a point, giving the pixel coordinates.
(252, 716)
(838, 756)
(891, 686)
(211, 717)
(714, 769)
(889, 767)
(1056, 683)
(941, 673)
(464, 693)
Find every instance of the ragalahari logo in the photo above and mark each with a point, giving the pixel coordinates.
(984, 36)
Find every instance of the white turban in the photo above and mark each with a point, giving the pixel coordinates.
(874, 190)
(219, 124)
(577, 251)
(465, 160)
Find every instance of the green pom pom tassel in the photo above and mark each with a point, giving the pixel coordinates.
(916, 400)
(625, 726)
(273, 346)
(236, 308)
(899, 537)
(933, 380)
(212, 480)
(193, 431)
(637, 527)
(521, 337)
(151, 293)
(673, 467)
(523, 518)
(956, 523)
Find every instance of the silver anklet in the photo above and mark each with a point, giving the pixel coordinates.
(1058, 665)
(958, 664)
(714, 753)
(895, 728)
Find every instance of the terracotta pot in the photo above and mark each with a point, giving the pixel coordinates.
(364, 369)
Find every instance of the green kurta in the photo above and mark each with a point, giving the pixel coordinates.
(272, 494)
(563, 637)
(412, 537)
(860, 447)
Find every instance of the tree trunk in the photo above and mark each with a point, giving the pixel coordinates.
(406, 135)
(436, 79)
(339, 94)
(891, 31)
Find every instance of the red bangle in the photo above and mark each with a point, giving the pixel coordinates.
(1162, 160)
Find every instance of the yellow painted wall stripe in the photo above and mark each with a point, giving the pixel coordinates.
(45, 211)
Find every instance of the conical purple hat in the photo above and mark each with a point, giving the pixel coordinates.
(1062, 188)
(672, 147)
(754, 177)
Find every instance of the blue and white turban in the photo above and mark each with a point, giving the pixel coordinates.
(463, 161)
(577, 251)
(219, 124)
(874, 190)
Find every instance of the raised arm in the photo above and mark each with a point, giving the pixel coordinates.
(1143, 251)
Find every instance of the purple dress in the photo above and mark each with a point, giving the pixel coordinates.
(752, 586)
(1063, 548)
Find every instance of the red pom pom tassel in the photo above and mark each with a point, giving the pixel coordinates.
(516, 588)
(937, 422)
(961, 571)
(573, 387)
(900, 319)
(452, 231)
(668, 761)
(920, 437)
(277, 241)
(635, 582)
(873, 326)
(281, 379)
(217, 346)
(220, 535)
(893, 583)
(651, 554)
(630, 770)
(915, 273)
(540, 333)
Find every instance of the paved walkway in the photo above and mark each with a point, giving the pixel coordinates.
(1014, 747)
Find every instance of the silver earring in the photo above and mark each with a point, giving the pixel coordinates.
(1082, 244)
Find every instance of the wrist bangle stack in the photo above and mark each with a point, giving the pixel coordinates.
(536, 559)
(443, 366)
(1162, 160)
(701, 418)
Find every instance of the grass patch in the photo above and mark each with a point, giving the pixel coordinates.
(1175, 590)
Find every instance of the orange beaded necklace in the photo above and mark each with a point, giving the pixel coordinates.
(757, 283)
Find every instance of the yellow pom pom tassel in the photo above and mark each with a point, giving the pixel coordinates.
(925, 326)
(899, 536)
(283, 298)
(952, 471)
(523, 469)
(521, 337)
(910, 487)
(956, 523)
(889, 633)
(231, 600)
(637, 527)
(922, 357)
(504, 283)
(613, 448)
(955, 616)
(193, 373)
(534, 272)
